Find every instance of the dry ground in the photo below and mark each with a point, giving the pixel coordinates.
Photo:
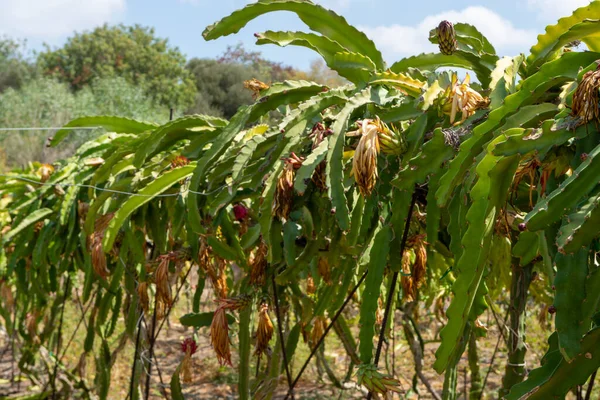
(210, 381)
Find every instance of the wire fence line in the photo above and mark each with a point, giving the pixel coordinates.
(112, 190)
(50, 128)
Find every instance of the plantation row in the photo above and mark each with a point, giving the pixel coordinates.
(408, 186)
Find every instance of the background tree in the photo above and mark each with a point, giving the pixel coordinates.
(131, 52)
(14, 68)
(46, 102)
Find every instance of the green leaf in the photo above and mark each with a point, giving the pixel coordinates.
(201, 320)
(554, 37)
(430, 62)
(29, 220)
(551, 74)
(569, 300)
(488, 195)
(335, 163)
(567, 195)
(378, 251)
(155, 142)
(556, 377)
(111, 124)
(309, 165)
(149, 192)
(317, 18)
(404, 83)
(327, 48)
(581, 226)
(244, 353)
(176, 392)
(353, 66)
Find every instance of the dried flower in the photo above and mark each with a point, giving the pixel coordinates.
(586, 99)
(310, 285)
(258, 265)
(142, 290)
(324, 269)
(95, 245)
(219, 336)
(318, 134)
(7, 295)
(318, 329)
(417, 243)
(161, 279)
(409, 288)
(284, 192)
(179, 161)
(264, 331)
(219, 329)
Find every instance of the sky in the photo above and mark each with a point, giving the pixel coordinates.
(399, 28)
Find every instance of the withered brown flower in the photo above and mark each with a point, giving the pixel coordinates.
(284, 192)
(586, 99)
(264, 331)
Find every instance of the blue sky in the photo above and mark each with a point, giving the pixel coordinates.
(398, 27)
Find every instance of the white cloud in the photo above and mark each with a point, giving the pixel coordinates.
(402, 40)
(554, 9)
(50, 19)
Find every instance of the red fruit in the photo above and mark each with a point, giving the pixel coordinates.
(552, 309)
(522, 226)
(240, 212)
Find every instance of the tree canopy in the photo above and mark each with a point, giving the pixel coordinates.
(131, 52)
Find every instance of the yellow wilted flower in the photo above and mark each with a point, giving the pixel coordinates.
(255, 86)
(364, 162)
(264, 331)
(459, 97)
(586, 99)
(44, 171)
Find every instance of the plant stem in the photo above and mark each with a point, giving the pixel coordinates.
(388, 303)
(335, 317)
(588, 392)
(281, 338)
(473, 357)
(515, 365)
(487, 374)
(135, 356)
(60, 325)
(151, 352)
